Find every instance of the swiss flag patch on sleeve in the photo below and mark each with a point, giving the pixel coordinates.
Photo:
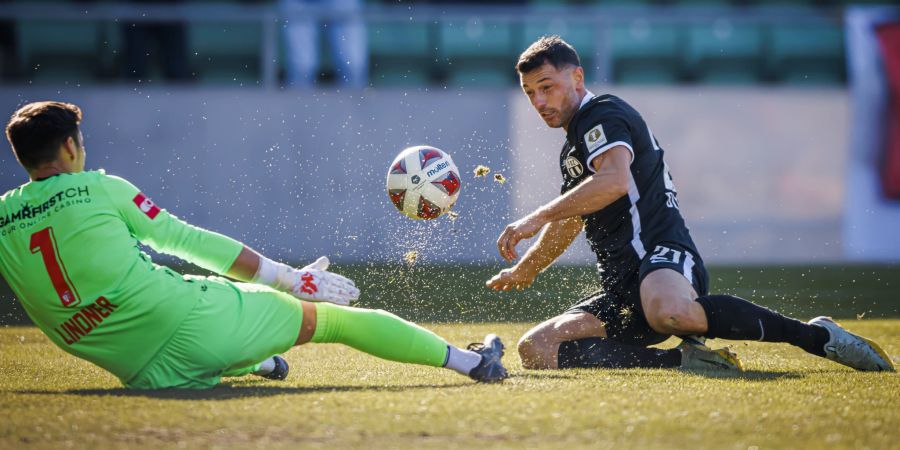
(146, 205)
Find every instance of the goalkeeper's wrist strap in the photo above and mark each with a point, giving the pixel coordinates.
(274, 274)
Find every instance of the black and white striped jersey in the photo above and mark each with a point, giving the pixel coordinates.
(622, 233)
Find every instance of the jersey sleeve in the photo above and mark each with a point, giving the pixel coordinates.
(603, 130)
(166, 233)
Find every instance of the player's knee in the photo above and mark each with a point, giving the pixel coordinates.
(534, 355)
(673, 317)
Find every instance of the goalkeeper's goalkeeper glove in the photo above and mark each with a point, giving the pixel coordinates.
(312, 282)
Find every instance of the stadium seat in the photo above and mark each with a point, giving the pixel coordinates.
(645, 53)
(487, 77)
(703, 3)
(791, 2)
(807, 54)
(550, 3)
(475, 38)
(402, 39)
(724, 53)
(400, 53)
(618, 3)
(62, 51)
(227, 52)
(476, 50)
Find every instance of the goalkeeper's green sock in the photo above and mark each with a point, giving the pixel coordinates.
(382, 334)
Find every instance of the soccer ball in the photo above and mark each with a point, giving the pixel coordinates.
(423, 182)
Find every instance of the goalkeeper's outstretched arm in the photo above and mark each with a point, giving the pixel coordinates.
(221, 254)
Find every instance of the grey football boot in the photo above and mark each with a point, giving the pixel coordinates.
(490, 369)
(701, 357)
(852, 350)
(281, 370)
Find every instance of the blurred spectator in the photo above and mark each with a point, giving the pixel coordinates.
(346, 34)
(164, 42)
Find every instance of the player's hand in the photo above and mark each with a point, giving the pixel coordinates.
(322, 286)
(524, 228)
(512, 278)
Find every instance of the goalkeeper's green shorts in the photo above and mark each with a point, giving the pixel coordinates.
(233, 328)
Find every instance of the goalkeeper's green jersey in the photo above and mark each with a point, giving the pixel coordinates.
(69, 250)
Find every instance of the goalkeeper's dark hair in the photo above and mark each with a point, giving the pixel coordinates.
(548, 49)
(37, 130)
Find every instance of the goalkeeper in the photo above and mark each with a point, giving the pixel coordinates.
(69, 250)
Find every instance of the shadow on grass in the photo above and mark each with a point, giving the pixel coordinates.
(748, 375)
(544, 374)
(229, 391)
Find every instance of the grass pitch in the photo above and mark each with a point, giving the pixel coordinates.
(456, 293)
(336, 397)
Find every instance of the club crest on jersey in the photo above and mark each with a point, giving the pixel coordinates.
(146, 205)
(574, 167)
(594, 138)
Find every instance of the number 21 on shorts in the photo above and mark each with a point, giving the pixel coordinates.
(665, 255)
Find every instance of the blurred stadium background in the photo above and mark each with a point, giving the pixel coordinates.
(781, 122)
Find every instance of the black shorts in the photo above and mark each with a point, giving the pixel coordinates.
(618, 305)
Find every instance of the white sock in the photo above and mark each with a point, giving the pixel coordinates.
(266, 367)
(462, 361)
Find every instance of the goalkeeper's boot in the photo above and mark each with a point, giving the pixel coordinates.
(490, 369)
(280, 371)
(852, 350)
(701, 357)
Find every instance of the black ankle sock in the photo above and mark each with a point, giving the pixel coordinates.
(732, 317)
(606, 353)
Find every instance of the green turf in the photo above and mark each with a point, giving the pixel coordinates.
(336, 397)
(457, 294)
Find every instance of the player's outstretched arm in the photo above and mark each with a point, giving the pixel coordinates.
(218, 253)
(312, 282)
(610, 181)
(553, 242)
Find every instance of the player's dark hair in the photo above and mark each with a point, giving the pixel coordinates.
(37, 130)
(547, 49)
